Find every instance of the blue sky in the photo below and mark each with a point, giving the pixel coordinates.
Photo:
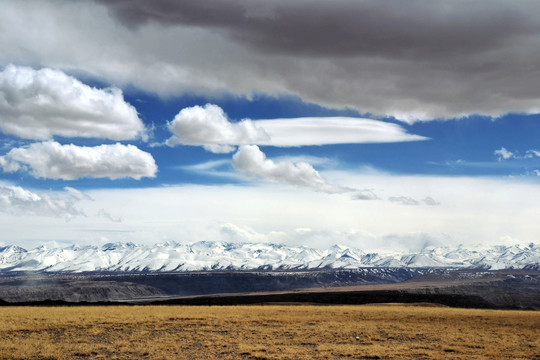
(124, 121)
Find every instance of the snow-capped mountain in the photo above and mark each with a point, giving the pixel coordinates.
(205, 256)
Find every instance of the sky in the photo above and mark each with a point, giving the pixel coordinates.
(378, 125)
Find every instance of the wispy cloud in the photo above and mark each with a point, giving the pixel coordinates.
(404, 200)
(366, 194)
(428, 200)
(20, 201)
(469, 208)
(251, 161)
(217, 168)
(105, 214)
(407, 200)
(532, 153)
(504, 154)
(236, 233)
(77, 194)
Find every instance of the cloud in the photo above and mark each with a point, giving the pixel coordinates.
(218, 168)
(369, 194)
(250, 160)
(51, 160)
(503, 154)
(532, 153)
(372, 56)
(331, 130)
(404, 200)
(76, 194)
(105, 214)
(414, 241)
(428, 200)
(233, 232)
(38, 104)
(208, 126)
(472, 211)
(290, 28)
(366, 194)
(19, 201)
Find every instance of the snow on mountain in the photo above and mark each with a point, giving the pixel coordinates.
(207, 256)
(11, 254)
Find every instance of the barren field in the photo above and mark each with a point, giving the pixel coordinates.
(267, 332)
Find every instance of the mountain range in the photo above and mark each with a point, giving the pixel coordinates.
(222, 256)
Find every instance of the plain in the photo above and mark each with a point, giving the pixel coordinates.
(387, 331)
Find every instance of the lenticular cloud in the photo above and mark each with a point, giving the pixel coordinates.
(308, 131)
(209, 127)
(38, 104)
(51, 160)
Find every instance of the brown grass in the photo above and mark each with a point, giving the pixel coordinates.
(267, 332)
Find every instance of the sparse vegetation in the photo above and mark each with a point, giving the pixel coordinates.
(267, 332)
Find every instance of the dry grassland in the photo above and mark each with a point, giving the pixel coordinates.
(267, 332)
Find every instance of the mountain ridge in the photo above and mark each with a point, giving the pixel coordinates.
(224, 256)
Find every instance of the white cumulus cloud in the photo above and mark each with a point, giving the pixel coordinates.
(52, 160)
(38, 104)
(250, 160)
(208, 126)
(503, 154)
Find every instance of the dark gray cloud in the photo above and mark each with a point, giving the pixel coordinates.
(344, 28)
(409, 59)
(412, 60)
